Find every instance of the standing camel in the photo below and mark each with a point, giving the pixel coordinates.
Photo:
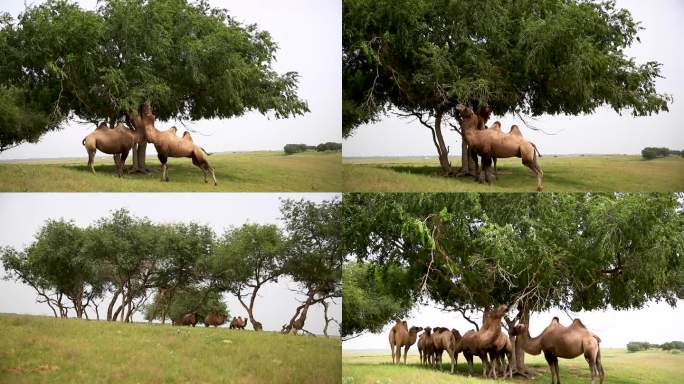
(564, 342)
(190, 319)
(501, 355)
(478, 343)
(426, 347)
(490, 143)
(168, 145)
(444, 340)
(214, 319)
(401, 336)
(116, 141)
(238, 323)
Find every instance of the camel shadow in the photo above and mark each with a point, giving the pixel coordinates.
(425, 170)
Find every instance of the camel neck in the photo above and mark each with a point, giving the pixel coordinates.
(151, 132)
(529, 344)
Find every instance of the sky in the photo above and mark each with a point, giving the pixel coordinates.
(656, 323)
(604, 132)
(309, 36)
(22, 214)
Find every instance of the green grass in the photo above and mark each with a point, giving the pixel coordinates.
(235, 172)
(48, 350)
(608, 173)
(648, 367)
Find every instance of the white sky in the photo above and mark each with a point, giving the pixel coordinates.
(21, 215)
(603, 132)
(656, 323)
(309, 36)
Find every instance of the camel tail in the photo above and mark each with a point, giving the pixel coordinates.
(536, 150)
(598, 339)
(205, 151)
(83, 142)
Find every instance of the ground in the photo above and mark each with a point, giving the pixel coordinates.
(646, 367)
(50, 350)
(235, 172)
(623, 173)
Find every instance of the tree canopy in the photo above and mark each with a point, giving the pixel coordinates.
(422, 57)
(189, 60)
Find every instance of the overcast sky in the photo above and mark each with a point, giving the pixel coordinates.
(603, 132)
(309, 36)
(23, 213)
(656, 323)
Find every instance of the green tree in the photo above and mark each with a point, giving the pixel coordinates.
(314, 254)
(245, 259)
(422, 57)
(187, 60)
(187, 300)
(533, 252)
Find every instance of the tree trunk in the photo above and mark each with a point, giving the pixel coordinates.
(255, 324)
(110, 308)
(326, 318)
(139, 157)
(519, 353)
(442, 149)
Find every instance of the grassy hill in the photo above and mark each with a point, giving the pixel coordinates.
(648, 367)
(235, 172)
(48, 350)
(561, 174)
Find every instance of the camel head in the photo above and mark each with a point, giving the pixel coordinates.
(427, 330)
(415, 329)
(500, 310)
(102, 125)
(457, 334)
(518, 329)
(463, 110)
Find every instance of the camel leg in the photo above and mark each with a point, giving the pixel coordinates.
(485, 364)
(469, 360)
(122, 162)
(164, 168)
(397, 354)
(451, 356)
(392, 348)
(494, 161)
(552, 361)
(91, 161)
(406, 348)
(599, 366)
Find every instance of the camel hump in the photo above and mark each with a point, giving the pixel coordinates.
(578, 322)
(598, 339)
(515, 130)
(187, 136)
(555, 319)
(496, 126)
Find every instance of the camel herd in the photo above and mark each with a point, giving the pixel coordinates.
(120, 139)
(491, 143)
(495, 348)
(192, 318)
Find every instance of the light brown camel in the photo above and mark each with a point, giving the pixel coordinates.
(116, 141)
(401, 336)
(491, 143)
(238, 323)
(477, 343)
(426, 348)
(168, 145)
(214, 319)
(557, 341)
(444, 340)
(501, 356)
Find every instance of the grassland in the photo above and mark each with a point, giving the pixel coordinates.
(608, 173)
(235, 172)
(48, 350)
(648, 367)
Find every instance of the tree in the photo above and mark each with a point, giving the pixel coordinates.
(245, 259)
(422, 57)
(188, 300)
(315, 254)
(187, 60)
(533, 252)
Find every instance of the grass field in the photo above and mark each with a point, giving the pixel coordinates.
(235, 172)
(561, 174)
(48, 350)
(648, 367)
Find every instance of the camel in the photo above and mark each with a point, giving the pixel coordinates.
(557, 341)
(477, 343)
(490, 143)
(168, 145)
(214, 319)
(426, 347)
(190, 319)
(500, 355)
(444, 340)
(401, 336)
(238, 323)
(116, 141)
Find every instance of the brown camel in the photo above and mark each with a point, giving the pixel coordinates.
(214, 319)
(401, 336)
(500, 355)
(238, 323)
(564, 342)
(477, 343)
(116, 141)
(491, 143)
(444, 340)
(426, 347)
(168, 145)
(190, 319)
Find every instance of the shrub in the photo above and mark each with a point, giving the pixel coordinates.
(635, 346)
(649, 153)
(294, 148)
(672, 345)
(329, 146)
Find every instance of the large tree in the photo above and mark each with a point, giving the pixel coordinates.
(314, 254)
(533, 252)
(422, 57)
(188, 60)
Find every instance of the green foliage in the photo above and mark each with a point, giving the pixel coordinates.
(570, 251)
(189, 60)
(636, 346)
(650, 153)
(190, 300)
(329, 146)
(296, 148)
(675, 345)
(515, 56)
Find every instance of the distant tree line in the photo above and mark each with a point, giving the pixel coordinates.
(328, 146)
(635, 346)
(129, 264)
(649, 153)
